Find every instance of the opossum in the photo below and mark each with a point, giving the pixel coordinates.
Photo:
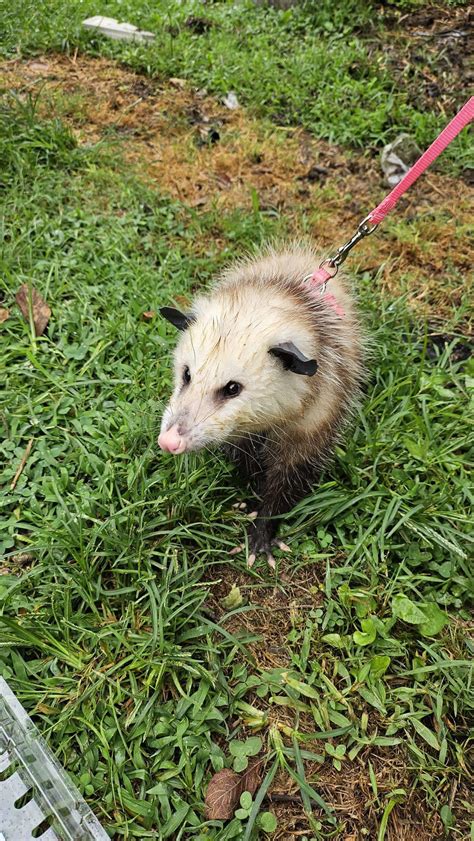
(269, 366)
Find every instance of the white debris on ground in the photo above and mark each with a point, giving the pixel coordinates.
(231, 101)
(111, 28)
(398, 157)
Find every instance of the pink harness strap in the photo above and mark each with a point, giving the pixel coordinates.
(321, 276)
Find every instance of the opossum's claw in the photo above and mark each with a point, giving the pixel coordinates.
(271, 560)
(253, 515)
(240, 505)
(236, 549)
(283, 547)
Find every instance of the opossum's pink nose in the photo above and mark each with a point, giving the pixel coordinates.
(172, 442)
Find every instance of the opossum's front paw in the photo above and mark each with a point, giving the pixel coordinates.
(261, 542)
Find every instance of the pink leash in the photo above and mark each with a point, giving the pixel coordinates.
(321, 276)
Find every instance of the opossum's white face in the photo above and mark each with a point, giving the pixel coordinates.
(237, 370)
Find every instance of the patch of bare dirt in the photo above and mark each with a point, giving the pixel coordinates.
(194, 148)
(358, 808)
(435, 45)
(277, 608)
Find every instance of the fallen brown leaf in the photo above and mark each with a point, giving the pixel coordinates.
(250, 779)
(182, 301)
(38, 67)
(40, 309)
(22, 559)
(223, 794)
(148, 315)
(4, 314)
(177, 83)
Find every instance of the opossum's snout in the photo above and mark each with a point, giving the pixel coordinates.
(171, 441)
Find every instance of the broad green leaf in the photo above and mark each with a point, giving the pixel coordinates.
(339, 719)
(333, 639)
(372, 699)
(403, 608)
(253, 745)
(426, 733)
(237, 748)
(267, 821)
(240, 763)
(379, 665)
(446, 816)
(367, 635)
(385, 741)
(365, 606)
(304, 688)
(233, 599)
(436, 619)
(246, 800)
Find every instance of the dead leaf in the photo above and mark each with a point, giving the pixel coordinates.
(182, 301)
(45, 709)
(40, 309)
(22, 559)
(223, 794)
(177, 83)
(251, 778)
(38, 67)
(223, 180)
(4, 314)
(148, 315)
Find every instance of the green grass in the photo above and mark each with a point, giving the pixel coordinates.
(109, 636)
(324, 66)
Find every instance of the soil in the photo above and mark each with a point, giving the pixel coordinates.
(430, 52)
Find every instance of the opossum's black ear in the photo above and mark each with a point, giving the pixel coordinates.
(294, 360)
(181, 320)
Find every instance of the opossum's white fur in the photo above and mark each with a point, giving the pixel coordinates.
(260, 302)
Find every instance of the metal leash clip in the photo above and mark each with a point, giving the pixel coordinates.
(341, 254)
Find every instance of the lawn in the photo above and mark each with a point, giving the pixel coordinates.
(147, 656)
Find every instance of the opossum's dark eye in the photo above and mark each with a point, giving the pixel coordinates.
(186, 375)
(232, 389)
